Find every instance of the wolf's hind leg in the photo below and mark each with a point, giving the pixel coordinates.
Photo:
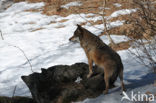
(121, 80)
(106, 78)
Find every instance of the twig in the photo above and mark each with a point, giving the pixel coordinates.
(90, 22)
(105, 23)
(13, 94)
(20, 50)
(1, 35)
(145, 28)
(24, 55)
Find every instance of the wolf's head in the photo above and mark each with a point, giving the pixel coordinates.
(77, 34)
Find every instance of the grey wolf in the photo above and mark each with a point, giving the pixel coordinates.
(101, 54)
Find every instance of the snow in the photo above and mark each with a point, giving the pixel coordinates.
(50, 46)
(122, 12)
(116, 38)
(136, 78)
(75, 3)
(117, 4)
(24, 6)
(78, 79)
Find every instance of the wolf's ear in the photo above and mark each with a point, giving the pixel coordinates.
(79, 28)
(78, 25)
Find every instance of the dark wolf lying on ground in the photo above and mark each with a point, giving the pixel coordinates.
(101, 54)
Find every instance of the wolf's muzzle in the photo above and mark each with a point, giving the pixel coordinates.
(70, 39)
(74, 39)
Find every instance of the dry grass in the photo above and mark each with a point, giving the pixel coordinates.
(121, 46)
(63, 20)
(53, 7)
(18, 0)
(31, 1)
(37, 29)
(83, 23)
(121, 30)
(143, 33)
(91, 16)
(33, 10)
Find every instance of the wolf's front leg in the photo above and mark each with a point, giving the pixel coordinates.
(90, 62)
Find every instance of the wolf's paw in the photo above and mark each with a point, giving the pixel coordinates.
(89, 75)
(105, 92)
(124, 89)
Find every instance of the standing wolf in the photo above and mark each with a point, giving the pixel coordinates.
(101, 54)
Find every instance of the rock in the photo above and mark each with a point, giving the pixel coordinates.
(57, 84)
(16, 100)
